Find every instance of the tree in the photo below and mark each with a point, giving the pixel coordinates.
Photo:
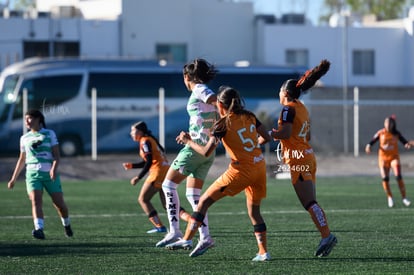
(24, 4)
(383, 9)
(333, 6)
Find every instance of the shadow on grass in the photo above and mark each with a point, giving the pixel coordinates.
(87, 248)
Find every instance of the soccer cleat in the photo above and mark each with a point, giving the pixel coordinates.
(38, 234)
(68, 231)
(406, 202)
(161, 229)
(180, 244)
(390, 202)
(202, 247)
(326, 245)
(261, 257)
(169, 238)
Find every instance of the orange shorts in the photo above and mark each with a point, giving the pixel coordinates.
(304, 168)
(156, 176)
(386, 161)
(236, 179)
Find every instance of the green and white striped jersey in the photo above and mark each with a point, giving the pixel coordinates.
(38, 149)
(202, 115)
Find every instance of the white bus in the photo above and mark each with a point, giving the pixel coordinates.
(127, 91)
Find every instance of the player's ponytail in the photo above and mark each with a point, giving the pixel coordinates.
(296, 87)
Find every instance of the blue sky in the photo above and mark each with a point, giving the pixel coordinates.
(312, 8)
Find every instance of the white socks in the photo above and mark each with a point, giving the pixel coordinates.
(172, 201)
(193, 197)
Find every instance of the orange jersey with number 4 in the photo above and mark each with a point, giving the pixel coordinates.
(297, 145)
(297, 153)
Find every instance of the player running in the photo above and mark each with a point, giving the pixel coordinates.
(294, 134)
(238, 130)
(189, 164)
(389, 157)
(155, 162)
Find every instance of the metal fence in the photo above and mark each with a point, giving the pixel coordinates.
(342, 124)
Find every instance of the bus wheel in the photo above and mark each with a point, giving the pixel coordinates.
(70, 146)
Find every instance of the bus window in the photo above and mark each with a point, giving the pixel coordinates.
(132, 85)
(252, 85)
(46, 92)
(176, 86)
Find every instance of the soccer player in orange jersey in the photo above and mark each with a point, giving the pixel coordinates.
(389, 157)
(238, 130)
(299, 158)
(155, 162)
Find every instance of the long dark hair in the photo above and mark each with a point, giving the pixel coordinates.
(142, 126)
(37, 114)
(296, 87)
(200, 71)
(393, 124)
(231, 100)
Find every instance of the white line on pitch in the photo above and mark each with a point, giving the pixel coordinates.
(219, 213)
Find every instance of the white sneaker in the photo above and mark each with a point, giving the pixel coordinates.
(406, 202)
(262, 257)
(202, 247)
(390, 202)
(170, 238)
(180, 244)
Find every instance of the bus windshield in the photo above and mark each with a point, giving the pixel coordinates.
(8, 96)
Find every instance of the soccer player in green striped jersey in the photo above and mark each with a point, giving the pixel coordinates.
(39, 152)
(189, 164)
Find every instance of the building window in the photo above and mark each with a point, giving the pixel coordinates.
(172, 52)
(35, 49)
(66, 49)
(363, 62)
(297, 57)
(46, 49)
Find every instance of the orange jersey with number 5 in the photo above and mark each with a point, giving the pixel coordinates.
(241, 141)
(247, 170)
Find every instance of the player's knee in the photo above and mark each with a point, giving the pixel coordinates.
(169, 185)
(142, 201)
(387, 179)
(398, 177)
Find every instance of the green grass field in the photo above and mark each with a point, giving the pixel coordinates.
(110, 237)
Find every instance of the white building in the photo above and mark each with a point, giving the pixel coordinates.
(221, 31)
